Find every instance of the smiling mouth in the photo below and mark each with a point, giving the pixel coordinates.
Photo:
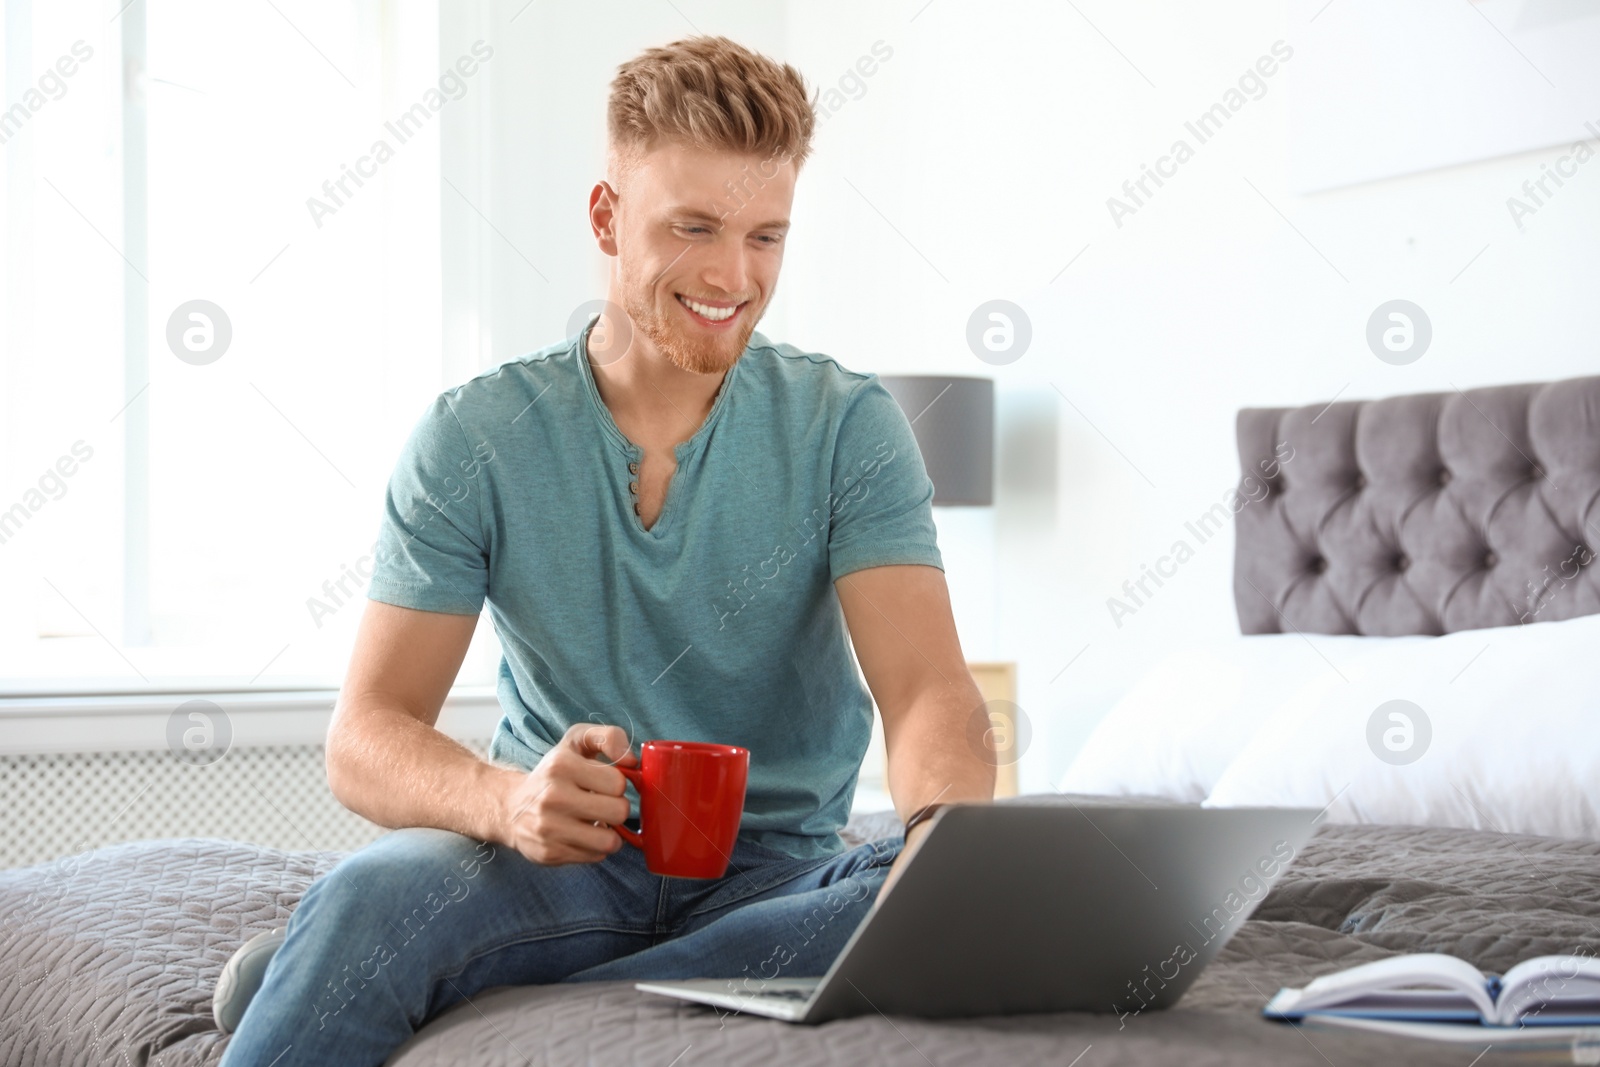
(710, 314)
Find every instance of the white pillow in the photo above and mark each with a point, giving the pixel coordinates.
(1508, 736)
(1179, 727)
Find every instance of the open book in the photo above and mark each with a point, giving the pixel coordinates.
(1432, 987)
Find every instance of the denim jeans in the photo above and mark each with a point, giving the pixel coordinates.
(422, 919)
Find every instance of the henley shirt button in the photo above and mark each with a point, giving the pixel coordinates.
(633, 487)
(633, 468)
(636, 509)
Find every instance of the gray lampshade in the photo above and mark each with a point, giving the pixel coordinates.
(953, 419)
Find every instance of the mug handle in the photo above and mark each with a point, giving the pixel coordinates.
(634, 775)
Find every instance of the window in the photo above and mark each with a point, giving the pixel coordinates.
(222, 317)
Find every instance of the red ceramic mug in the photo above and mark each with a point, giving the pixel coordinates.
(691, 797)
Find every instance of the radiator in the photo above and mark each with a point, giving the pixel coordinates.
(58, 804)
(79, 772)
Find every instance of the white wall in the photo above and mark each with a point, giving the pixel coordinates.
(976, 164)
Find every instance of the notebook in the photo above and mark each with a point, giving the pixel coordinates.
(1431, 987)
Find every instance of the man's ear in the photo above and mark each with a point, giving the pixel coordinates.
(603, 200)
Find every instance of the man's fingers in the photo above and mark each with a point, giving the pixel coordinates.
(594, 776)
(608, 743)
(559, 837)
(581, 840)
(587, 838)
(580, 795)
(572, 798)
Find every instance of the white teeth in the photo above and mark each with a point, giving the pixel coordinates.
(714, 314)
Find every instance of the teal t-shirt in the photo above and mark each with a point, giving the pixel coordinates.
(720, 622)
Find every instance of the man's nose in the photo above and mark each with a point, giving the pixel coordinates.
(728, 269)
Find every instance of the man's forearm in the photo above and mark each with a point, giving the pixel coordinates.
(930, 757)
(397, 771)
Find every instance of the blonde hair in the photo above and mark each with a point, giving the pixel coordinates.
(709, 93)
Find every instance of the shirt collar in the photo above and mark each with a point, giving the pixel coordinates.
(580, 348)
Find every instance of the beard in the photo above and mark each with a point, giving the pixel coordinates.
(686, 346)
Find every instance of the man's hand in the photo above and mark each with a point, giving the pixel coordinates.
(556, 814)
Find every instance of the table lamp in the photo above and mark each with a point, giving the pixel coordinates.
(953, 420)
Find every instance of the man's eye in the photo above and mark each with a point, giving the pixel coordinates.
(770, 239)
(696, 229)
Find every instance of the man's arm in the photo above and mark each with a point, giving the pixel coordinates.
(905, 638)
(387, 762)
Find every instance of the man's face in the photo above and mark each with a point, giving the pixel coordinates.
(702, 227)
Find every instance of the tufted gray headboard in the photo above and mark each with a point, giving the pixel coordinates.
(1420, 514)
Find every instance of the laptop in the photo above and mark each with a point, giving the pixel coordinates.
(1011, 908)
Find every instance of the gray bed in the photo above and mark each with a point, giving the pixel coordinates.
(111, 959)
(111, 956)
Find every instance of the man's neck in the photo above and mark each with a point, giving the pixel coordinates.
(653, 402)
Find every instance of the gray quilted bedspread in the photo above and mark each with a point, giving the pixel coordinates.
(110, 958)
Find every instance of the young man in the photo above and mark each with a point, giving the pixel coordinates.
(672, 520)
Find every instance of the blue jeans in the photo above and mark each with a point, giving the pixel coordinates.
(422, 919)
